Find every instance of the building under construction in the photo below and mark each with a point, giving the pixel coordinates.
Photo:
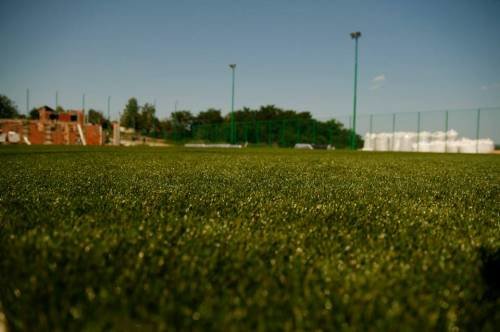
(63, 128)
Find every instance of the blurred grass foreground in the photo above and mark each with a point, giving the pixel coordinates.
(252, 239)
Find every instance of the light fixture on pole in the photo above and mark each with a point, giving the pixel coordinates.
(355, 36)
(233, 131)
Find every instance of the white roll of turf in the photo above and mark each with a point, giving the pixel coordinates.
(304, 146)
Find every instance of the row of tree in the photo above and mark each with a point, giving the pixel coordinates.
(268, 124)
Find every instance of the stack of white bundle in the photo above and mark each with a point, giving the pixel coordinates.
(397, 140)
(453, 146)
(466, 145)
(438, 142)
(451, 135)
(407, 141)
(424, 141)
(485, 146)
(382, 142)
(369, 142)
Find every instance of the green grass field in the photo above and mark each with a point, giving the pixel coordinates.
(254, 239)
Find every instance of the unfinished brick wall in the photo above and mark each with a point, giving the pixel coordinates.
(36, 133)
(57, 136)
(73, 135)
(53, 132)
(11, 125)
(93, 134)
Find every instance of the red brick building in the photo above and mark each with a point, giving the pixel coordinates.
(67, 128)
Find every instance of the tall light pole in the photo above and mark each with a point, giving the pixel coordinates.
(27, 102)
(83, 107)
(355, 36)
(109, 102)
(233, 131)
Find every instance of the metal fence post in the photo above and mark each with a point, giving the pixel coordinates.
(257, 141)
(418, 132)
(297, 132)
(314, 131)
(393, 129)
(269, 133)
(478, 120)
(446, 131)
(245, 129)
(282, 133)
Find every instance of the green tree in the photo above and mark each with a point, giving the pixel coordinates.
(60, 109)
(8, 109)
(165, 128)
(273, 125)
(210, 116)
(95, 117)
(182, 120)
(34, 114)
(148, 119)
(131, 116)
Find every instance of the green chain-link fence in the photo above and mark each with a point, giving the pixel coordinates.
(470, 123)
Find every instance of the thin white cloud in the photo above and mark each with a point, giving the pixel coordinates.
(484, 87)
(377, 82)
(379, 78)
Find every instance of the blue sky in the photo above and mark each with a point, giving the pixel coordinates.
(414, 55)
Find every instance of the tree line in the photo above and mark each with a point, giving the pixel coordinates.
(268, 124)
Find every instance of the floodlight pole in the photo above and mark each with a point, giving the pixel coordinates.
(83, 107)
(233, 131)
(27, 102)
(355, 36)
(109, 101)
